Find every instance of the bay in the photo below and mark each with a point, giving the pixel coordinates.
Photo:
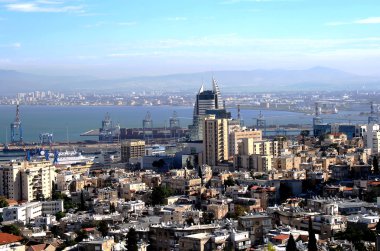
(71, 121)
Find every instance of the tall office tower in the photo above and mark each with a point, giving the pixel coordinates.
(215, 140)
(372, 138)
(206, 100)
(132, 149)
(27, 181)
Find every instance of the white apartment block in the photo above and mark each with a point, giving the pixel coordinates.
(27, 180)
(30, 211)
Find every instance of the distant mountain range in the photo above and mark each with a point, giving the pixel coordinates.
(317, 78)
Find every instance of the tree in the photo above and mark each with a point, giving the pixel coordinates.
(378, 228)
(239, 211)
(357, 234)
(229, 181)
(11, 229)
(112, 208)
(270, 247)
(59, 215)
(312, 244)
(132, 240)
(81, 235)
(208, 217)
(56, 230)
(158, 163)
(190, 221)
(3, 202)
(82, 205)
(103, 228)
(291, 245)
(375, 164)
(159, 194)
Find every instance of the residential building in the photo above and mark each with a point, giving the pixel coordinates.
(27, 180)
(215, 141)
(132, 149)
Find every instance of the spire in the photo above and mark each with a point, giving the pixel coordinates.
(215, 88)
(201, 89)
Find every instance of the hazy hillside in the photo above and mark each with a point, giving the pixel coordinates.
(255, 80)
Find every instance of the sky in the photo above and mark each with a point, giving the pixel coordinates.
(123, 38)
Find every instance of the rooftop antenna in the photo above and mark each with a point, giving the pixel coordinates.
(238, 110)
(67, 135)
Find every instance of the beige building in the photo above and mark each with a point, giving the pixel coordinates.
(235, 137)
(287, 162)
(194, 242)
(215, 140)
(132, 149)
(27, 181)
(249, 146)
(254, 162)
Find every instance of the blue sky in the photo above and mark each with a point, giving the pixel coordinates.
(117, 38)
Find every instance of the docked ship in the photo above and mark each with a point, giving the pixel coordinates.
(72, 158)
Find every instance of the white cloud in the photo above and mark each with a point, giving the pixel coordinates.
(369, 20)
(15, 45)
(44, 6)
(127, 23)
(176, 19)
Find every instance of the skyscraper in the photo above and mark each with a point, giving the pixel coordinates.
(206, 100)
(215, 140)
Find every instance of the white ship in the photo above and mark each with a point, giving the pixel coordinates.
(73, 157)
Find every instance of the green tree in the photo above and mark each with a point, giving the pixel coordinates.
(11, 229)
(357, 235)
(56, 230)
(158, 163)
(159, 194)
(59, 215)
(190, 221)
(3, 202)
(270, 247)
(81, 235)
(229, 182)
(112, 208)
(378, 228)
(239, 211)
(375, 164)
(208, 217)
(82, 205)
(132, 240)
(103, 228)
(312, 244)
(291, 245)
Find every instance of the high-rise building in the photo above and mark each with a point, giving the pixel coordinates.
(132, 149)
(215, 140)
(27, 180)
(372, 138)
(235, 137)
(206, 100)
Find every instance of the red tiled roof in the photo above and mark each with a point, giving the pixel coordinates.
(281, 237)
(89, 229)
(374, 183)
(12, 202)
(38, 247)
(6, 238)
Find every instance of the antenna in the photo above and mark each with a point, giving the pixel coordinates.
(67, 135)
